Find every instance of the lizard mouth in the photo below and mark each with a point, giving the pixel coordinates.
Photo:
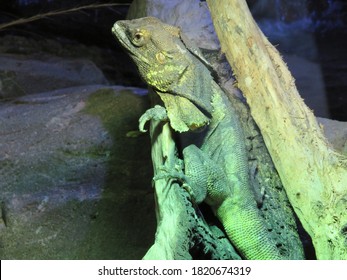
(120, 30)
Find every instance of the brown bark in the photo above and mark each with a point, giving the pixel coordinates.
(313, 174)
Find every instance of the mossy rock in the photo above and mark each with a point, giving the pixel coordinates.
(73, 185)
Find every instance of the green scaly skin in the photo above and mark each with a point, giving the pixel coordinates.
(217, 170)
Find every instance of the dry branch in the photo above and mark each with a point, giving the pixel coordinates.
(313, 174)
(55, 13)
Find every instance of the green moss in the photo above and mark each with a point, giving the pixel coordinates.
(127, 202)
(93, 152)
(9, 87)
(115, 110)
(119, 112)
(100, 103)
(6, 163)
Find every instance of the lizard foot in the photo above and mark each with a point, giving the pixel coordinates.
(177, 175)
(166, 173)
(156, 113)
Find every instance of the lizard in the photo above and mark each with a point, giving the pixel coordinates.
(215, 164)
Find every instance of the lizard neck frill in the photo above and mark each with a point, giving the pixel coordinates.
(195, 85)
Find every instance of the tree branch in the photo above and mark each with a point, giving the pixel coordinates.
(313, 174)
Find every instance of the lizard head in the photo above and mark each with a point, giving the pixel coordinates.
(173, 66)
(156, 49)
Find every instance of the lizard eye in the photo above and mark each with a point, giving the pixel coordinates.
(139, 39)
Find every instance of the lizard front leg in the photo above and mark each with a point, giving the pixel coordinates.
(156, 113)
(197, 192)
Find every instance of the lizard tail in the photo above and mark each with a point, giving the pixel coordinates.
(245, 229)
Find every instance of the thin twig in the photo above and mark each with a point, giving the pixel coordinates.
(54, 13)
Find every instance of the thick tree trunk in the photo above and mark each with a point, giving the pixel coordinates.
(313, 174)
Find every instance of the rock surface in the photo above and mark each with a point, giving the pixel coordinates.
(110, 61)
(336, 133)
(21, 74)
(73, 186)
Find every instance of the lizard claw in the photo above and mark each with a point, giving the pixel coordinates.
(165, 173)
(156, 113)
(178, 175)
